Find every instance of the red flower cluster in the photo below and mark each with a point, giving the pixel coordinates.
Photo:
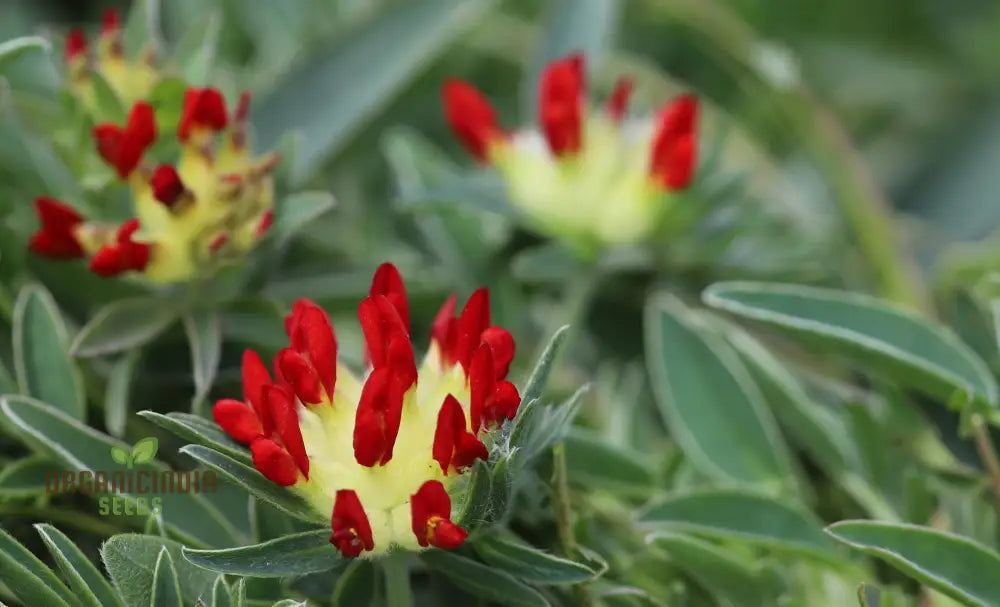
(561, 114)
(306, 376)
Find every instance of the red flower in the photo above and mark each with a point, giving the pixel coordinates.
(123, 148)
(561, 104)
(167, 185)
(618, 102)
(110, 22)
(76, 44)
(471, 116)
(352, 532)
(430, 508)
(56, 237)
(674, 145)
(122, 256)
(454, 445)
(203, 109)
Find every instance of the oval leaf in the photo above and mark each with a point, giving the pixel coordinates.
(299, 554)
(482, 580)
(123, 325)
(708, 399)
(529, 564)
(881, 337)
(44, 369)
(741, 515)
(952, 564)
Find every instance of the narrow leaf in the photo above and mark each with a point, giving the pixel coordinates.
(86, 581)
(199, 431)
(880, 337)
(529, 564)
(293, 555)
(356, 585)
(124, 324)
(204, 334)
(116, 396)
(166, 591)
(26, 477)
(297, 211)
(952, 564)
(727, 578)
(28, 578)
(221, 597)
(254, 482)
(482, 580)
(15, 48)
(43, 368)
(540, 374)
(131, 561)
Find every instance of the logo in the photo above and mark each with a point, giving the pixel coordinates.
(136, 490)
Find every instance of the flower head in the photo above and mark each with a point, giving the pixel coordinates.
(382, 455)
(213, 205)
(131, 79)
(590, 176)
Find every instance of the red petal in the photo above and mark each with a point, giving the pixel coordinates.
(471, 117)
(352, 532)
(311, 334)
(297, 371)
(674, 144)
(274, 462)
(443, 330)
(76, 44)
(109, 139)
(237, 419)
(430, 511)
(380, 323)
(481, 385)
(255, 377)
(123, 148)
(281, 403)
(56, 238)
(106, 262)
(110, 22)
(388, 282)
(167, 185)
(450, 416)
(123, 256)
(203, 108)
(265, 223)
(377, 421)
(474, 320)
(468, 449)
(503, 405)
(502, 344)
(618, 102)
(561, 104)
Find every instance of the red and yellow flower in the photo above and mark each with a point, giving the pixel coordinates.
(382, 455)
(591, 176)
(130, 79)
(212, 206)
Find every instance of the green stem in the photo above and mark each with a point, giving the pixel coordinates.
(987, 452)
(397, 580)
(564, 514)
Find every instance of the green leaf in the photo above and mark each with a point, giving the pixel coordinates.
(482, 580)
(15, 48)
(728, 579)
(298, 210)
(80, 447)
(730, 514)
(476, 508)
(86, 581)
(540, 374)
(952, 564)
(204, 334)
(240, 593)
(144, 450)
(880, 337)
(537, 427)
(593, 462)
(109, 105)
(584, 26)
(166, 591)
(131, 561)
(221, 597)
(28, 578)
(199, 431)
(868, 596)
(121, 456)
(708, 399)
(529, 564)
(142, 26)
(124, 324)
(313, 100)
(356, 585)
(299, 554)
(26, 477)
(196, 50)
(117, 393)
(43, 368)
(254, 482)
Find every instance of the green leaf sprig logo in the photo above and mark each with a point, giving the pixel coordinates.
(142, 452)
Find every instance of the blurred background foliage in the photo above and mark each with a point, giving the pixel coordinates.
(822, 118)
